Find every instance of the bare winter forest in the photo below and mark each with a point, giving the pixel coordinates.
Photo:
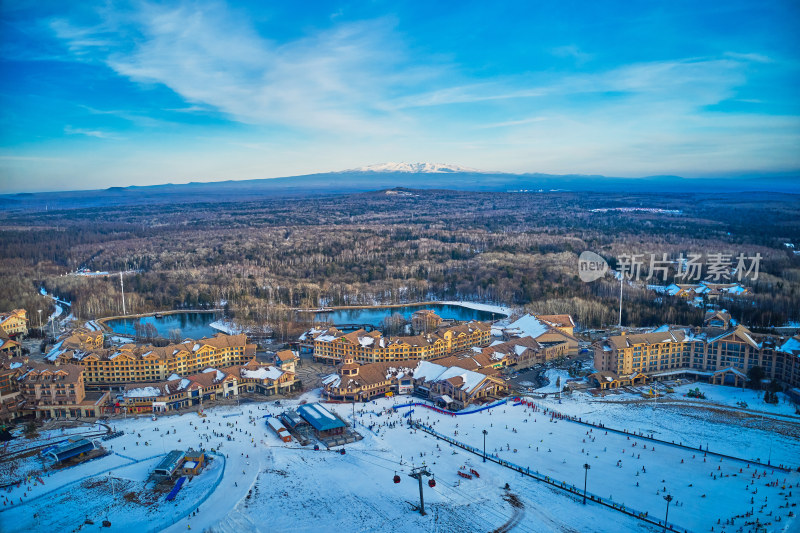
(259, 259)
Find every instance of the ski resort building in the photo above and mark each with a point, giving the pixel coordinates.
(325, 423)
(279, 429)
(547, 330)
(51, 391)
(332, 346)
(8, 345)
(287, 360)
(78, 448)
(211, 384)
(525, 352)
(15, 322)
(425, 320)
(170, 464)
(133, 363)
(82, 339)
(713, 353)
(427, 379)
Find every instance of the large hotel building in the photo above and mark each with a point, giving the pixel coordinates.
(141, 364)
(333, 346)
(721, 352)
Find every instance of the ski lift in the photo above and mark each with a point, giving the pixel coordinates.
(396, 478)
(431, 483)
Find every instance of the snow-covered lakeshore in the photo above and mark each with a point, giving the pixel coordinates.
(226, 326)
(489, 308)
(326, 491)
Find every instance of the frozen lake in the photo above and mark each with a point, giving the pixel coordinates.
(374, 315)
(192, 325)
(195, 324)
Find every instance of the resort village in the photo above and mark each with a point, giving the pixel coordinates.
(224, 419)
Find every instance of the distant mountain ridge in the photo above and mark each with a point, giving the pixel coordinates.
(421, 176)
(430, 168)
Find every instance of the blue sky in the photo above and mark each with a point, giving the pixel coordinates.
(122, 93)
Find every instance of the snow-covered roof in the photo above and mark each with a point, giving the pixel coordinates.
(333, 380)
(528, 326)
(143, 392)
(220, 374)
(319, 417)
(308, 335)
(275, 424)
(432, 372)
(269, 372)
(791, 345)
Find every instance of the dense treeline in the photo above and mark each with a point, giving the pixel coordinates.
(259, 259)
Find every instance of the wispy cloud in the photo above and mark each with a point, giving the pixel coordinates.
(333, 80)
(508, 123)
(697, 81)
(753, 57)
(69, 130)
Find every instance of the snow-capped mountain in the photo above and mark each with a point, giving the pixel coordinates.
(422, 168)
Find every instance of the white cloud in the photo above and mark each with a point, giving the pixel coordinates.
(332, 80)
(99, 134)
(752, 57)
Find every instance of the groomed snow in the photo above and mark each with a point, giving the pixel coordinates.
(313, 491)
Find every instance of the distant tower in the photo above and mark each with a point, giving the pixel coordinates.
(122, 289)
(621, 277)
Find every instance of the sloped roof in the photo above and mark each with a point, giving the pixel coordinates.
(561, 321)
(620, 342)
(319, 417)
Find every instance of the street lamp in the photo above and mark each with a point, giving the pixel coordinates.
(40, 320)
(484, 445)
(586, 468)
(668, 497)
